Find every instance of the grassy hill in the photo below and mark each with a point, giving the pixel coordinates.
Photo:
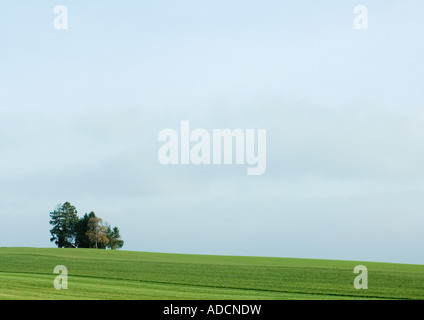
(27, 273)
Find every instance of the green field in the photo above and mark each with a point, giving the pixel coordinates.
(27, 273)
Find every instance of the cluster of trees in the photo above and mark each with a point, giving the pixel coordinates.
(70, 231)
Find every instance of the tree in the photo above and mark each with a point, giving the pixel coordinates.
(97, 232)
(115, 241)
(82, 240)
(64, 220)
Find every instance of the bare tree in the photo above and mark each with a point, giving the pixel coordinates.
(97, 232)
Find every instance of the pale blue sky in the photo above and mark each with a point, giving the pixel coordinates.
(80, 110)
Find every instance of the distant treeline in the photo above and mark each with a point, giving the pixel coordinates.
(70, 231)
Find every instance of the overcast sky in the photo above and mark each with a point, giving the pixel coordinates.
(81, 109)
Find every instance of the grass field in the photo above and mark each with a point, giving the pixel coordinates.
(27, 273)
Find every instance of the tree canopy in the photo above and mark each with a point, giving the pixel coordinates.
(97, 232)
(89, 231)
(64, 219)
(82, 240)
(114, 237)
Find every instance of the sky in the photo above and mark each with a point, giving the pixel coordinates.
(343, 110)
